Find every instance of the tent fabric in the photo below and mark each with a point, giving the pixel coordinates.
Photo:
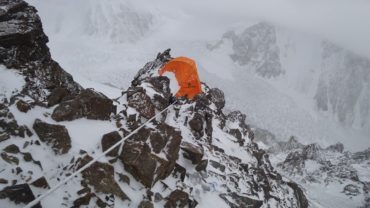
(186, 74)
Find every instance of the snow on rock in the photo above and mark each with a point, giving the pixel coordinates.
(10, 82)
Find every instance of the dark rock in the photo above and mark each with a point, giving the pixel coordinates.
(196, 125)
(140, 101)
(58, 95)
(19, 194)
(18, 170)
(217, 165)
(84, 200)
(158, 197)
(293, 163)
(84, 191)
(89, 104)
(23, 47)
(23, 106)
(192, 152)
(312, 151)
(8, 124)
(161, 85)
(177, 199)
(105, 175)
(142, 162)
(3, 181)
(4, 136)
(124, 178)
(41, 183)
(351, 190)
(145, 204)
(56, 136)
(236, 116)
(179, 172)
(14, 149)
(151, 68)
(236, 201)
(9, 159)
(299, 195)
(217, 97)
(338, 147)
(109, 140)
(202, 166)
(362, 155)
(238, 135)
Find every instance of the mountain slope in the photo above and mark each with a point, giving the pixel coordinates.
(193, 154)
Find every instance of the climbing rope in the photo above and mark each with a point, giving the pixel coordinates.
(38, 199)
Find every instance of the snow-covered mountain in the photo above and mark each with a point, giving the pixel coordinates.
(287, 82)
(290, 85)
(193, 154)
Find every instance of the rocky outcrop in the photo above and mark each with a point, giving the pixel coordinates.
(89, 104)
(139, 100)
(55, 136)
(19, 194)
(101, 177)
(109, 140)
(142, 153)
(255, 48)
(23, 47)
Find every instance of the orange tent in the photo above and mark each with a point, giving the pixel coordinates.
(186, 74)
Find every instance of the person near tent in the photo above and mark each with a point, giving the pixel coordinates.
(186, 74)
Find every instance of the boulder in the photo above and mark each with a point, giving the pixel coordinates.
(8, 124)
(19, 194)
(56, 136)
(217, 97)
(146, 204)
(196, 125)
(299, 195)
(105, 174)
(177, 199)
(140, 101)
(235, 200)
(109, 140)
(143, 153)
(192, 152)
(41, 183)
(58, 95)
(338, 147)
(89, 104)
(23, 106)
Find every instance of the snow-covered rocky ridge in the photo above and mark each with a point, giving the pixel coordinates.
(193, 155)
(331, 176)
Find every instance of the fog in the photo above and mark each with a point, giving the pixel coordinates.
(345, 22)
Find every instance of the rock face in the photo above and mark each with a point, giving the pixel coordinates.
(88, 103)
(101, 177)
(256, 48)
(142, 153)
(109, 140)
(23, 47)
(19, 194)
(331, 166)
(343, 88)
(56, 136)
